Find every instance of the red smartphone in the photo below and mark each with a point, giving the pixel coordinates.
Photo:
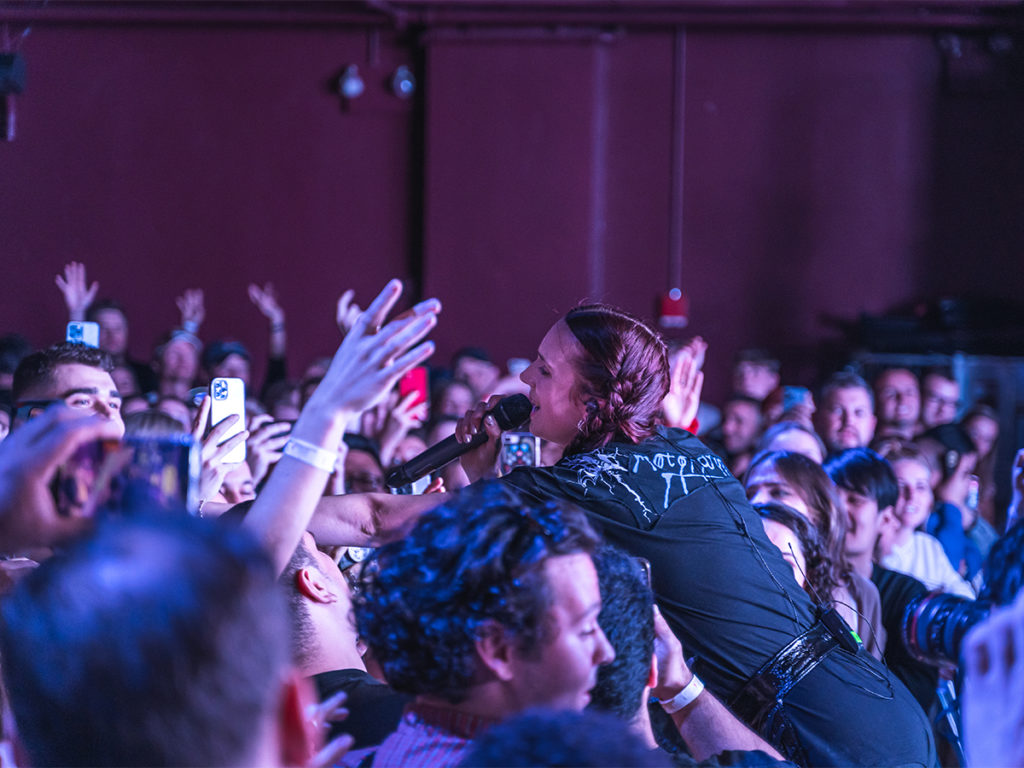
(414, 381)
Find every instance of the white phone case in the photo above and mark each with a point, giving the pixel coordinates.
(227, 397)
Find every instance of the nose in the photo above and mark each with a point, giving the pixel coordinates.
(760, 497)
(603, 651)
(527, 375)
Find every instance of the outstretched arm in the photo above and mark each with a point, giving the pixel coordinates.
(265, 299)
(366, 366)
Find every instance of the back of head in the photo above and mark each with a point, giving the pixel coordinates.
(864, 472)
(37, 369)
(554, 738)
(476, 560)
(150, 423)
(153, 642)
(627, 620)
(622, 378)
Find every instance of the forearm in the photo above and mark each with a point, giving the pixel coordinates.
(368, 519)
(278, 339)
(708, 728)
(285, 506)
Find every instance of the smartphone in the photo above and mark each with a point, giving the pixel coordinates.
(227, 397)
(518, 449)
(414, 381)
(415, 488)
(139, 475)
(794, 396)
(973, 492)
(81, 332)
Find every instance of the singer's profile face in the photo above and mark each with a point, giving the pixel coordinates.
(551, 378)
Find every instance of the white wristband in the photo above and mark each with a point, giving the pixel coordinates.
(693, 689)
(311, 454)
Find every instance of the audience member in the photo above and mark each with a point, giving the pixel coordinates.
(551, 737)
(794, 437)
(363, 471)
(108, 314)
(846, 418)
(940, 397)
(796, 481)
(473, 367)
(981, 423)
(486, 608)
(788, 403)
(755, 374)
(954, 520)
(649, 658)
(741, 428)
(157, 641)
(898, 399)
(871, 483)
(911, 550)
(75, 374)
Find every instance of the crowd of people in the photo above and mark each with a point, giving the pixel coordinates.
(784, 579)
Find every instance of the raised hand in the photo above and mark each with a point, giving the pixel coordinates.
(77, 296)
(687, 380)
(402, 418)
(263, 449)
(347, 312)
(372, 358)
(367, 365)
(265, 299)
(192, 308)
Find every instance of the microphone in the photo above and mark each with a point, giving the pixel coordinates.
(510, 412)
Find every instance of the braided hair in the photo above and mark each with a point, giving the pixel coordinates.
(622, 376)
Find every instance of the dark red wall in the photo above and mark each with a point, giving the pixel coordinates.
(827, 170)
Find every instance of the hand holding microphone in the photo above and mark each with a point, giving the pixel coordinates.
(488, 420)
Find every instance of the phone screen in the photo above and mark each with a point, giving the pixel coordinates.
(518, 449)
(137, 475)
(414, 381)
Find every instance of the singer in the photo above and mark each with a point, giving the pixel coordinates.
(596, 389)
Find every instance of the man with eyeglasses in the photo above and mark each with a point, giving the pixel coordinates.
(73, 373)
(940, 398)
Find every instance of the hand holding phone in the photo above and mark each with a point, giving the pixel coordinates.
(227, 398)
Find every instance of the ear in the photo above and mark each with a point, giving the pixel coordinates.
(298, 739)
(652, 673)
(496, 650)
(312, 584)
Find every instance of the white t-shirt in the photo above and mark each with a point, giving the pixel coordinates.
(924, 558)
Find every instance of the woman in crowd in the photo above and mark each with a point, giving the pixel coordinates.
(912, 551)
(597, 387)
(801, 484)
